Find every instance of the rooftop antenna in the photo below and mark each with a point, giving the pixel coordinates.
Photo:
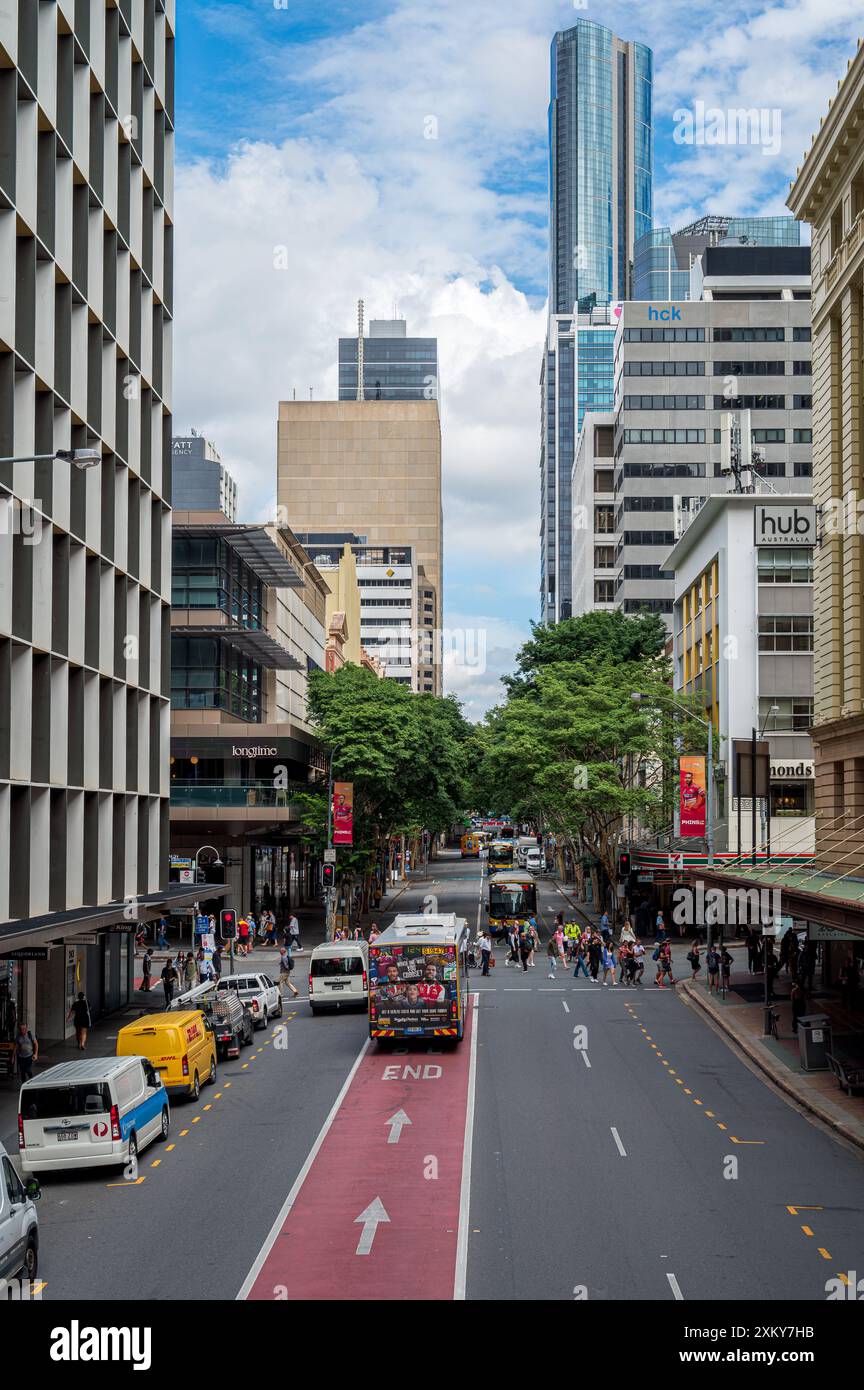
(361, 394)
(310, 393)
(295, 393)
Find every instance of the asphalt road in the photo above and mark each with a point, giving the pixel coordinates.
(638, 1157)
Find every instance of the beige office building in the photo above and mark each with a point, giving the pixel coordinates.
(372, 468)
(828, 192)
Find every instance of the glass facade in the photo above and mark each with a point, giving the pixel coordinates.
(206, 573)
(656, 273)
(394, 369)
(209, 673)
(601, 93)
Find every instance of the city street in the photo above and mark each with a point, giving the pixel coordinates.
(647, 1161)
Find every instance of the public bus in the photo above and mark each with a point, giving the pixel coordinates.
(511, 902)
(500, 855)
(470, 845)
(418, 978)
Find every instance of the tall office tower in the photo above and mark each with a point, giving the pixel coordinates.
(600, 192)
(741, 343)
(200, 480)
(395, 367)
(374, 468)
(600, 164)
(86, 291)
(662, 259)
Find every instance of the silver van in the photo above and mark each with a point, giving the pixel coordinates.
(339, 975)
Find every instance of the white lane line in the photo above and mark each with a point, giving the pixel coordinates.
(566, 1006)
(673, 1283)
(461, 1280)
(617, 1137)
(270, 1240)
(586, 1059)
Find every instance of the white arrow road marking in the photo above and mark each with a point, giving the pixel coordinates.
(673, 1283)
(397, 1123)
(616, 1136)
(370, 1219)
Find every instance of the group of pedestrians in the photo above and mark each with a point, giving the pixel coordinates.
(718, 964)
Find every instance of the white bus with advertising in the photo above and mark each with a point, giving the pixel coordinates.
(418, 980)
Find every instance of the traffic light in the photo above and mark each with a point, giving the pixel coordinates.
(228, 923)
(624, 864)
(328, 875)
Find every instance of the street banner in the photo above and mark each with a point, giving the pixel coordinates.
(343, 813)
(692, 797)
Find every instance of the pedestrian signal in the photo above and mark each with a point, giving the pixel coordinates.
(624, 865)
(328, 875)
(228, 922)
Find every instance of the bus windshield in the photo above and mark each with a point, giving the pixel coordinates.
(501, 854)
(516, 899)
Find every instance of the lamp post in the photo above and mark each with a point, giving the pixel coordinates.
(216, 863)
(82, 458)
(774, 709)
(708, 724)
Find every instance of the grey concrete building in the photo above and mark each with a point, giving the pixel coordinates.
(741, 343)
(86, 304)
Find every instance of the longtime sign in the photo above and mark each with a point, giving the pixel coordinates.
(784, 523)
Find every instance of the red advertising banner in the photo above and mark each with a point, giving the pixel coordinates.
(343, 813)
(692, 796)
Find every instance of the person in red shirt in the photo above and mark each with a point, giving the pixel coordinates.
(430, 988)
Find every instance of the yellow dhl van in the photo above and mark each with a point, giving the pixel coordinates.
(180, 1046)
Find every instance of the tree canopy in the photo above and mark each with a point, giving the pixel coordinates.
(604, 638)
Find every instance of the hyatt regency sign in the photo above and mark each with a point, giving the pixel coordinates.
(784, 523)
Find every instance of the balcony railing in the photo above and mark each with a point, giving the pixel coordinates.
(232, 796)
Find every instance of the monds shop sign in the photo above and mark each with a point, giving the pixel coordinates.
(792, 769)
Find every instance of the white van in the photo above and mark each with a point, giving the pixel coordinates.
(91, 1114)
(339, 975)
(19, 1224)
(534, 862)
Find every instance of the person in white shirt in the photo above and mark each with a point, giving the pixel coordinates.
(485, 950)
(294, 933)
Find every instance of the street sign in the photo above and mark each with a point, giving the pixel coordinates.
(329, 856)
(187, 876)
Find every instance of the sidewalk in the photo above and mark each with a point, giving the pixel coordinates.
(740, 1016)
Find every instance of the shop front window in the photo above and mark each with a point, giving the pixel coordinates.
(792, 799)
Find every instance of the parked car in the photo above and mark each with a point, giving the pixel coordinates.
(91, 1114)
(19, 1223)
(263, 997)
(339, 975)
(232, 1023)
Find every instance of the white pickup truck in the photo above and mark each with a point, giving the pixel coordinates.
(259, 992)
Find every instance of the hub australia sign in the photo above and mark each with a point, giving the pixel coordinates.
(784, 523)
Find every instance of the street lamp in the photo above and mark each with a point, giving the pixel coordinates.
(82, 458)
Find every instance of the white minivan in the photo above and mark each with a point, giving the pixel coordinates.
(91, 1114)
(19, 1224)
(339, 975)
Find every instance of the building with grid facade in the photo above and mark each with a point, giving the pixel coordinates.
(86, 296)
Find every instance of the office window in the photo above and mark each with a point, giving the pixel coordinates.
(802, 436)
(604, 590)
(780, 635)
(737, 366)
(802, 368)
(749, 335)
(801, 335)
(791, 565)
(802, 402)
(752, 402)
(794, 713)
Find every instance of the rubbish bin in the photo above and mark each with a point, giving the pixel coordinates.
(814, 1040)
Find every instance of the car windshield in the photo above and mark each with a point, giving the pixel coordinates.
(325, 966)
(54, 1102)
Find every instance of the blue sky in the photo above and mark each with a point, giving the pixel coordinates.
(303, 139)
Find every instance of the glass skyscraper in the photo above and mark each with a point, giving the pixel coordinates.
(600, 164)
(600, 204)
(661, 258)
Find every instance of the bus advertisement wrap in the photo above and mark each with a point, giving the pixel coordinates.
(413, 987)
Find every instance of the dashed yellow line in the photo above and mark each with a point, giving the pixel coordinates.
(195, 1119)
(170, 1148)
(807, 1231)
(824, 1253)
(183, 1133)
(155, 1163)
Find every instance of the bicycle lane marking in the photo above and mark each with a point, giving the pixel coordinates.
(353, 1172)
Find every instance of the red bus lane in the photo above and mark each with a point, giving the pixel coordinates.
(376, 1212)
